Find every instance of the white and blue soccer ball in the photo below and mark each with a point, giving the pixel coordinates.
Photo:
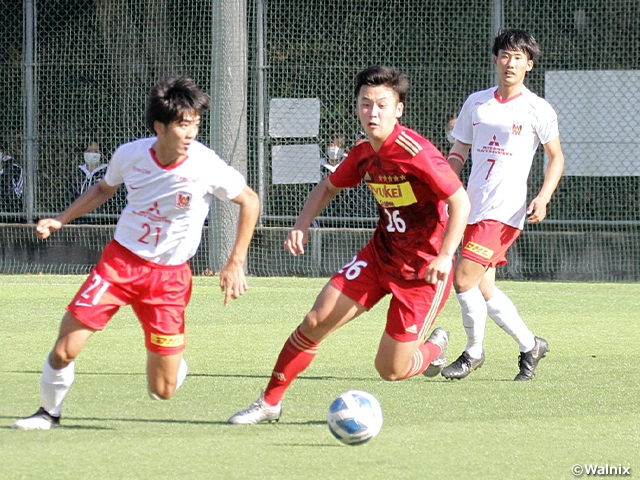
(355, 417)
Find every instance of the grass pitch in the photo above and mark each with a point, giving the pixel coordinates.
(581, 409)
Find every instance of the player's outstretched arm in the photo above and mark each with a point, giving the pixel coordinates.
(85, 203)
(232, 279)
(459, 208)
(537, 209)
(318, 199)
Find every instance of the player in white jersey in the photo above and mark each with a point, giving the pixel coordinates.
(171, 180)
(502, 127)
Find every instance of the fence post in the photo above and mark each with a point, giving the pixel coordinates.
(228, 135)
(30, 111)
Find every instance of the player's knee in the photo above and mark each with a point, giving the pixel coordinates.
(387, 372)
(60, 357)
(311, 321)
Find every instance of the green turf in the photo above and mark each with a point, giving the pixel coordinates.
(583, 407)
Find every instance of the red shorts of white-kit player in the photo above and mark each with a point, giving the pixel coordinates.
(487, 242)
(158, 295)
(414, 306)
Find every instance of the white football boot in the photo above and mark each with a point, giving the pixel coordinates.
(257, 412)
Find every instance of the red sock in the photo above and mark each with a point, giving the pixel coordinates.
(423, 356)
(296, 355)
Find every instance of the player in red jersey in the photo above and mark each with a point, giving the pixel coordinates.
(410, 255)
(171, 180)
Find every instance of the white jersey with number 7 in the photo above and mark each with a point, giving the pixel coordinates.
(167, 206)
(504, 136)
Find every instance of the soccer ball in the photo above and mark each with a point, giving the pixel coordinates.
(355, 417)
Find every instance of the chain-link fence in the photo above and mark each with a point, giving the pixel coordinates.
(74, 76)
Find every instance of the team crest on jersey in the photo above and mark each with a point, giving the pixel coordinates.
(516, 129)
(183, 200)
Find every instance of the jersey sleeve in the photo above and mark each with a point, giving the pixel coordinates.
(115, 175)
(547, 123)
(226, 182)
(347, 174)
(229, 182)
(438, 174)
(463, 128)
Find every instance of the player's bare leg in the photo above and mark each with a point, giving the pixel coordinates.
(394, 358)
(331, 310)
(399, 360)
(58, 374)
(165, 374)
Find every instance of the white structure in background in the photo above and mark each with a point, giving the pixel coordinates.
(294, 118)
(598, 113)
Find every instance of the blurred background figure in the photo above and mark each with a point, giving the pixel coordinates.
(85, 175)
(448, 128)
(335, 152)
(11, 182)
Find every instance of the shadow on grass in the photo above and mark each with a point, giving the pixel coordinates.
(164, 421)
(195, 375)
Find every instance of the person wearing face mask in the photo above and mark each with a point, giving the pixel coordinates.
(335, 153)
(87, 174)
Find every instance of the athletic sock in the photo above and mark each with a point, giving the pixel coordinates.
(422, 357)
(502, 311)
(474, 319)
(54, 385)
(296, 355)
(182, 373)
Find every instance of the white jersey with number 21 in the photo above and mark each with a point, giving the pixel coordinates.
(504, 136)
(167, 206)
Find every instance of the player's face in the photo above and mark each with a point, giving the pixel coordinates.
(512, 66)
(175, 138)
(379, 110)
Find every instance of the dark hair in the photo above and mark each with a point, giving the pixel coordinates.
(387, 76)
(172, 98)
(514, 39)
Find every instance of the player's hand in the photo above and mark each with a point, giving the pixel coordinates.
(47, 226)
(439, 269)
(295, 242)
(233, 282)
(537, 211)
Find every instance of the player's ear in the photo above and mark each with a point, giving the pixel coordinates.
(399, 109)
(158, 127)
(529, 65)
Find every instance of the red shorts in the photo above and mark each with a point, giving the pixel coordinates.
(414, 304)
(158, 295)
(487, 242)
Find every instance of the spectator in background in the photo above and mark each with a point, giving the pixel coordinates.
(448, 128)
(11, 183)
(335, 153)
(87, 174)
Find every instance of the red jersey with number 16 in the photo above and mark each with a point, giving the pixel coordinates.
(410, 179)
